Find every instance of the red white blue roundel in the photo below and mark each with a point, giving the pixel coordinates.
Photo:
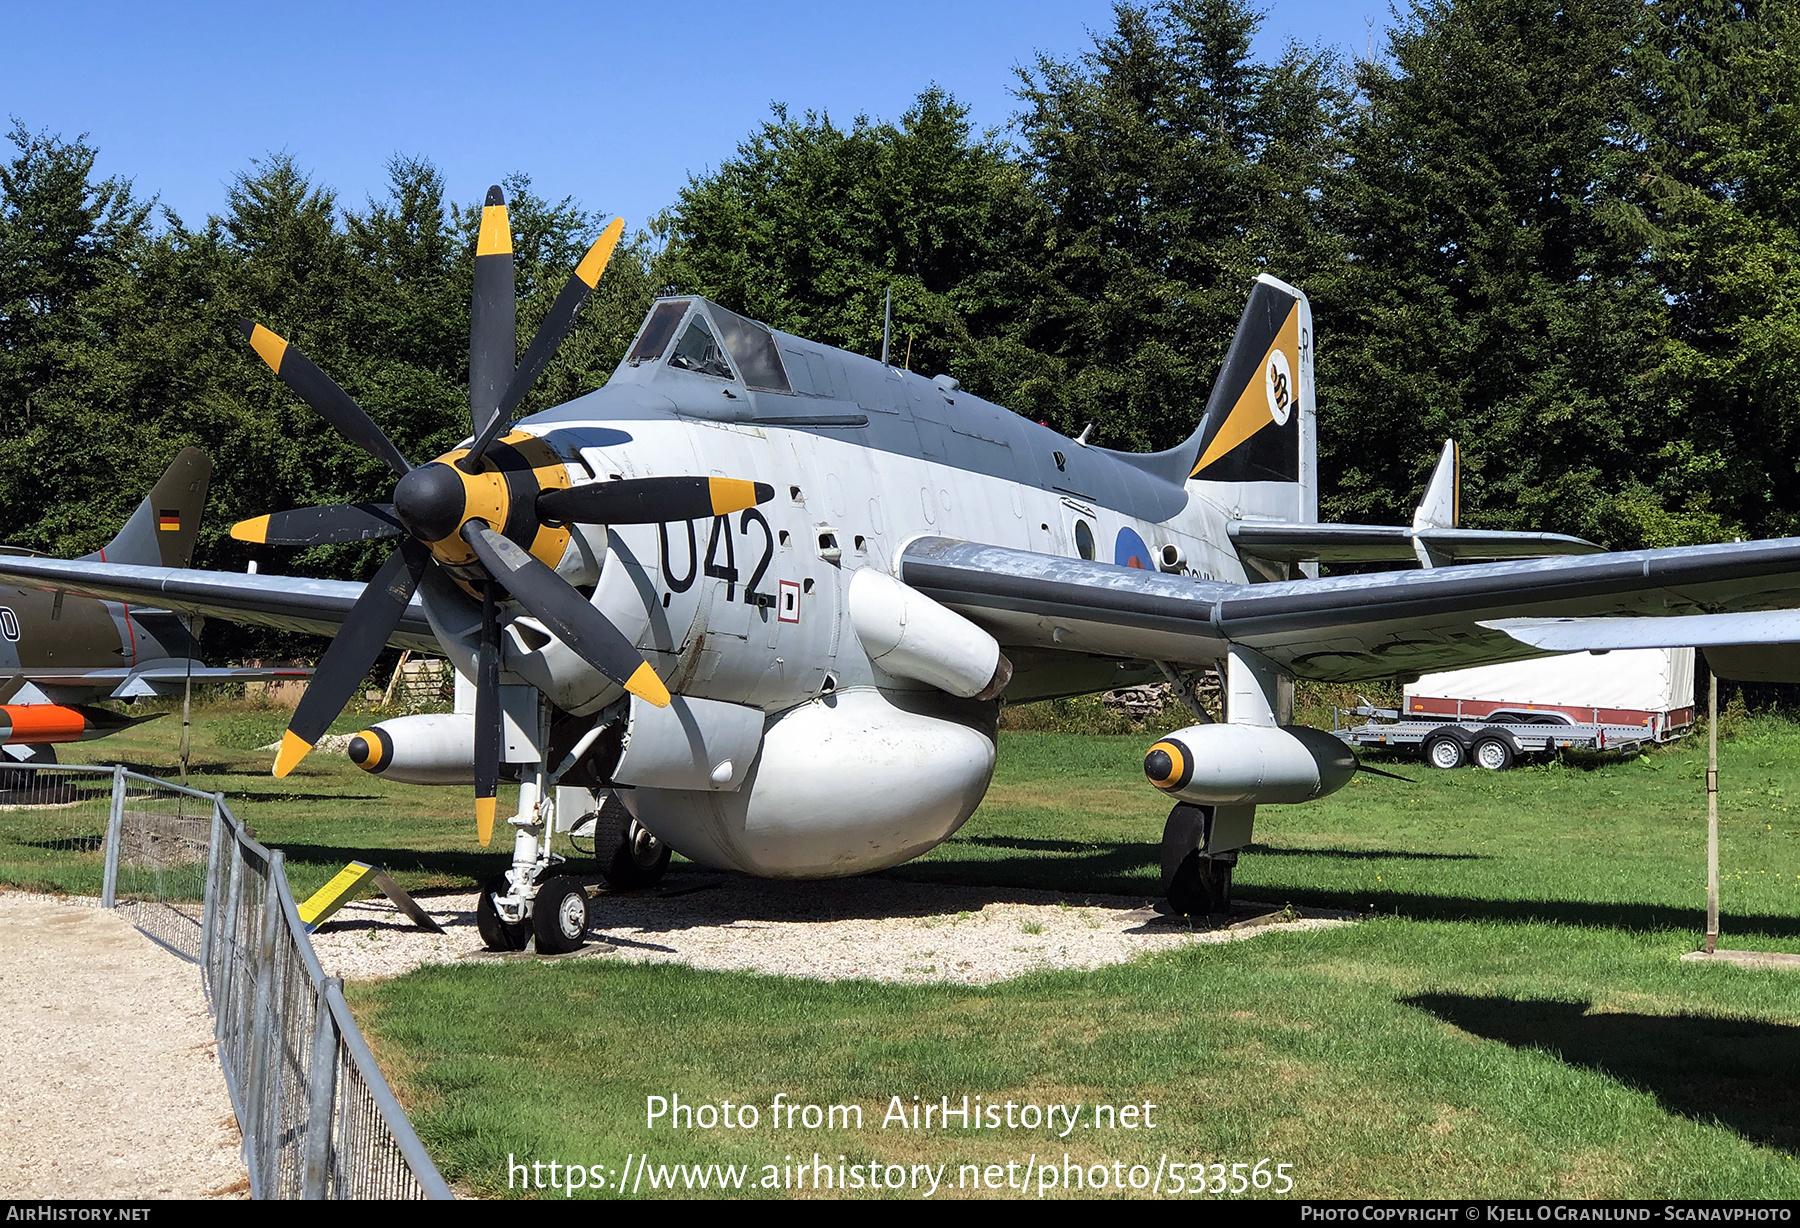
(1130, 551)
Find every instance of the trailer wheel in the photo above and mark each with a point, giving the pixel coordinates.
(1494, 754)
(1444, 751)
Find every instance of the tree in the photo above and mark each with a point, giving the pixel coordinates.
(1172, 168)
(809, 226)
(1497, 289)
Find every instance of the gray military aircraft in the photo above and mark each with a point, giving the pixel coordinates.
(771, 595)
(59, 654)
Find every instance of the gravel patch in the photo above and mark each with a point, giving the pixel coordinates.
(860, 928)
(113, 1087)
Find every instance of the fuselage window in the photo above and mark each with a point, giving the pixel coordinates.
(1084, 540)
(752, 348)
(657, 331)
(698, 351)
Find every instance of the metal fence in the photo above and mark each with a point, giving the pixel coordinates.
(317, 1117)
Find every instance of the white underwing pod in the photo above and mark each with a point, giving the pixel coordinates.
(1230, 765)
(908, 635)
(430, 749)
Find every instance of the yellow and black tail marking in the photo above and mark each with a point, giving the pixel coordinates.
(1251, 429)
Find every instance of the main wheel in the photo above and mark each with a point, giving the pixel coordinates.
(560, 916)
(630, 856)
(498, 934)
(1444, 751)
(1201, 886)
(1494, 754)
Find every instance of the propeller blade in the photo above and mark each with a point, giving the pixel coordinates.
(488, 730)
(651, 500)
(554, 602)
(550, 334)
(322, 393)
(352, 654)
(320, 526)
(1363, 767)
(493, 330)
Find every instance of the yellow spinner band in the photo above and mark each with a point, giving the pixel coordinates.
(372, 740)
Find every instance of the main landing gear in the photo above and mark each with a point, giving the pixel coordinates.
(1195, 882)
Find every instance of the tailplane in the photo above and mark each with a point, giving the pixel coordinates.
(161, 532)
(1257, 443)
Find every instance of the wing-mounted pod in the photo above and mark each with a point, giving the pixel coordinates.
(1233, 765)
(908, 635)
(428, 749)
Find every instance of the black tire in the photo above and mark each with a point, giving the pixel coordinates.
(559, 916)
(1444, 751)
(496, 934)
(630, 857)
(1493, 753)
(1201, 886)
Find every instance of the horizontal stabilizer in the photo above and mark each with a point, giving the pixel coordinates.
(1379, 543)
(1676, 631)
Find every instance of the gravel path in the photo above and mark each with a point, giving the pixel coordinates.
(106, 1051)
(872, 928)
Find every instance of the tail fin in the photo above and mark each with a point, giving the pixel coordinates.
(1260, 428)
(161, 532)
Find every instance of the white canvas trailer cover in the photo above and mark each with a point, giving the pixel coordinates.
(1630, 687)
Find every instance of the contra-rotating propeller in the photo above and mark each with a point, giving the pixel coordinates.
(475, 516)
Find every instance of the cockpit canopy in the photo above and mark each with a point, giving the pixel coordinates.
(711, 341)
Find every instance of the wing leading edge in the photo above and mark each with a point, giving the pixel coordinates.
(1341, 628)
(290, 603)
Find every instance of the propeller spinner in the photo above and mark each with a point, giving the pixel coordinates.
(465, 512)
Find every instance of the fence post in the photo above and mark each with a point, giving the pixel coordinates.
(321, 1078)
(209, 912)
(115, 824)
(260, 1038)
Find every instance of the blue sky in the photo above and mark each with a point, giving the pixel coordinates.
(613, 104)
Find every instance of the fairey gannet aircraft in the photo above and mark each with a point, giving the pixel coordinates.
(772, 594)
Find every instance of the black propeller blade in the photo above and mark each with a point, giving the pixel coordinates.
(567, 615)
(549, 336)
(1363, 767)
(651, 500)
(320, 526)
(352, 654)
(493, 329)
(321, 392)
(488, 730)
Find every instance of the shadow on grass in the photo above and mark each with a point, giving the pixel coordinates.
(1619, 916)
(472, 865)
(1268, 850)
(1743, 1075)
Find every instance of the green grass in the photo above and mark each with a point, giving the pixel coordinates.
(1512, 1020)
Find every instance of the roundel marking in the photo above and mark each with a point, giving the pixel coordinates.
(1278, 383)
(1130, 551)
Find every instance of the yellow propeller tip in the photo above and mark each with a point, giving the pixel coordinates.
(594, 263)
(268, 346)
(293, 750)
(647, 686)
(484, 820)
(254, 530)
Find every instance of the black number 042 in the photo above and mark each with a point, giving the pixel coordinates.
(727, 569)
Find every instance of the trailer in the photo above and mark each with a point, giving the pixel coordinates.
(1494, 715)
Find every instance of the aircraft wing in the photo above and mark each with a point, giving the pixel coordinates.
(1359, 543)
(1340, 628)
(290, 603)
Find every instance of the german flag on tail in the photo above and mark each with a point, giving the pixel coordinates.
(168, 520)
